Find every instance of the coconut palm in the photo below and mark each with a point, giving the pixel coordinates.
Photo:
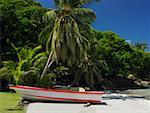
(63, 33)
(91, 70)
(141, 46)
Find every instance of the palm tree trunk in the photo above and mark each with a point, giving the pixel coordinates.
(47, 64)
(0, 52)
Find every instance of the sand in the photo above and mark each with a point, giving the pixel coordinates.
(128, 105)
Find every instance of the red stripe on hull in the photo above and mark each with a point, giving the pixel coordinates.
(64, 99)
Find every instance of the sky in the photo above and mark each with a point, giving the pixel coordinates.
(130, 19)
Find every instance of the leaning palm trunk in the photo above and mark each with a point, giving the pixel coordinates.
(49, 62)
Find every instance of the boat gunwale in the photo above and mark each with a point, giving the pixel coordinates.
(55, 90)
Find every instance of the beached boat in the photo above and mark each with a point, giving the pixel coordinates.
(43, 94)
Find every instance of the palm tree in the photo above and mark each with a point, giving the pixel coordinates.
(141, 46)
(93, 66)
(63, 35)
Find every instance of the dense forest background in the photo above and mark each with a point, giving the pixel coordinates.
(109, 61)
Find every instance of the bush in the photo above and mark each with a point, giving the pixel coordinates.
(47, 81)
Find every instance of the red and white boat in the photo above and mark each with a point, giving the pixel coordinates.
(43, 94)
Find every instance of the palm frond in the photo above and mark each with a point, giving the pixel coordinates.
(49, 16)
(5, 73)
(65, 40)
(102, 65)
(9, 65)
(30, 72)
(72, 3)
(64, 3)
(49, 20)
(42, 54)
(20, 64)
(33, 52)
(85, 15)
(40, 61)
(23, 53)
(45, 33)
(36, 49)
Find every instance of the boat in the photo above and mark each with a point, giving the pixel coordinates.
(44, 94)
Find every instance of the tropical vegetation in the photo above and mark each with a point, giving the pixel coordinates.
(43, 47)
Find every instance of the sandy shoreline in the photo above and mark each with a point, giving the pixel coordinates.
(122, 105)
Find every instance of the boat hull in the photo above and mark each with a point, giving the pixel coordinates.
(43, 94)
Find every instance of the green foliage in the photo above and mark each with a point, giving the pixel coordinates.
(12, 71)
(63, 74)
(141, 63)
(26, 66)
(140, 46)
(115, 51)
(47, 81)
(78, 53)
(5, 71)
(91, 72)
(21, 23)
(121, 57)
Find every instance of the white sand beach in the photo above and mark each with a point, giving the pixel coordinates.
(129, 105)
